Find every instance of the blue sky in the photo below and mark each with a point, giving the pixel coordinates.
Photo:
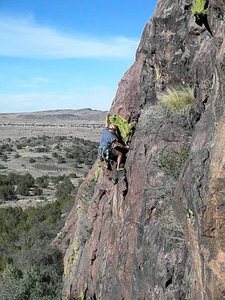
(67, 54)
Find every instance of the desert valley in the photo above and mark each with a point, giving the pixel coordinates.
(47, 145)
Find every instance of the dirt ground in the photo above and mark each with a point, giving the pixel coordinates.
(15, 131)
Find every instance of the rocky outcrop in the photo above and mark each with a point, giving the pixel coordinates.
(158, 233)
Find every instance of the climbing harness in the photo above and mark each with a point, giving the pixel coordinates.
(104, 153)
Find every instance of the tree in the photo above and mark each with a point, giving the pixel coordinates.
(42, 181)
(7, 192)
(64, 188)
(25, 183)
(37, 191)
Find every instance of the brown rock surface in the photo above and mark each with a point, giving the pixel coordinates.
(163, 237)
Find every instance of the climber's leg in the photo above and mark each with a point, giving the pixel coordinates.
(118, 156)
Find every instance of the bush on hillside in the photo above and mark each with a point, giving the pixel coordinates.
(26, 182)
(64, 188)
(42, 181)
(7, 190)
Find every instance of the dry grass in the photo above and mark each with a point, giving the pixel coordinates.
(158, 74)
(179, 99)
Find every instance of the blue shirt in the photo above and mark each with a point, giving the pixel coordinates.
(107, 138)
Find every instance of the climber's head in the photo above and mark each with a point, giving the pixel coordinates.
(112, 127)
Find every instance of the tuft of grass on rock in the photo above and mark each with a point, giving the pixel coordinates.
(97, 172)
(178, 100)
(198, 7)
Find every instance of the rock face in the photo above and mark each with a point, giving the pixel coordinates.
(159, 232)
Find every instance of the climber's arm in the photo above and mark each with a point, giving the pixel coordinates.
(107, 120)
(117, 144)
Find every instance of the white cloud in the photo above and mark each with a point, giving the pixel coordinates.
(25, 39)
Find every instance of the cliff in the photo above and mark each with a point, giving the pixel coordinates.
(159, 233)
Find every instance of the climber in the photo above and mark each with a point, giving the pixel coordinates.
(109, 146)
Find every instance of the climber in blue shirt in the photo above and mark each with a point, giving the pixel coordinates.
(109, 144)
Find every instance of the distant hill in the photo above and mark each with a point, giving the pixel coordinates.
(84, 114)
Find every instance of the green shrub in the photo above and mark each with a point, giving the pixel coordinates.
(32, 160)
(42, 181)
(4, 157)
(9, 273)
(29, 267)
(37, 191)
(198, 7)
(19, 146)
(125, 129)
(55, 154)
(42, 149)
(29, 179)
(56, 179)
(25, 183)
(180, 99)
(7, 192)
(13, 178)
(31, 284)
(60, 160)
(22, 188)
(8, 148)
(64, 189)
